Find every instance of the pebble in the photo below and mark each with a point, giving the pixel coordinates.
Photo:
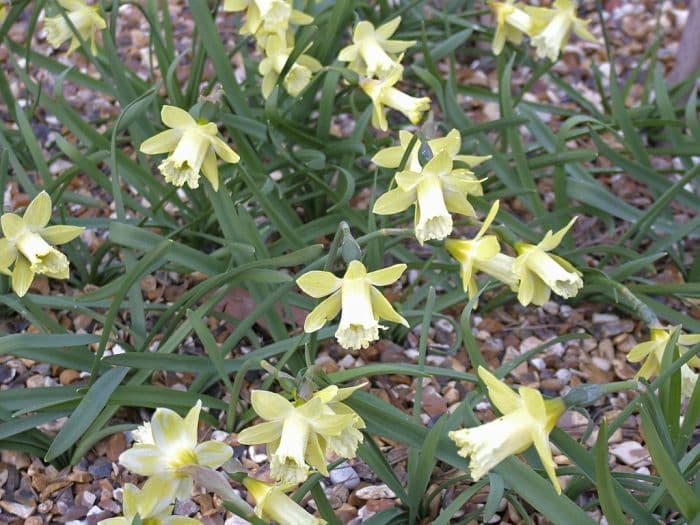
(23, 511)
(631, 453)
(538, 363)
(185, 507)
(563, 375)
(601, 363)
(86, 498)
(102, 468)
(235, 520)
(345, 475)
(375, 492)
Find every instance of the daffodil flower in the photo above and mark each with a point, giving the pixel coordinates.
(540, 272)
(276, 56)
(452, 143)
(482, 253)
(551, 28)
(152, 504)
(345, 444)
(170, 445)
(85, 18)
(271, 503)
(436, 190)
(383, 93)
(192, 146)
(372, 53)
(527, 419)
(512, 21)
(355, 294)
(267, 17)
(27, 243)
(652, 352)
(296, 434)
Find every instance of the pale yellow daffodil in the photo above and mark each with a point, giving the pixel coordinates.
(436, 190)
(192, 146)
(452, 142)
(383, 93)
(271, 503)
(276, 55)
(345, 444)
(85, 18)
(372, 53)
(652, 352)
(541, 273)
(170, 445)
(482, 254)
(152, 504)
(355, 294)
(512, 21)
(296, 434)
(527, 419)
(27, 243)
(267, 17)
(551, 28)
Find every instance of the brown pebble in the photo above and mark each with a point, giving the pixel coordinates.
(68, 376)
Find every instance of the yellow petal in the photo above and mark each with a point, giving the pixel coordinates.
(500, 394)
(210, 169)
(143, 459)
(642, 350)
(213, 454)
(154, 498)
(175, 117)
(363, 29)
(8, 254)
(551, 240)
(190, 423)
(164, 142)
(12, 224)
(355, 270)
(270, 406)
(526, 288)
(394, 201)
(458, 203)
(348, 54)
(408, 180)
(471, 160)
(534, 403)
(386, 276)
(224, 151)
(261, 433)
(22, 276)
(168, 429)
(61, 233)
(324, 312)
(382, 308)
(318, 283)
(440, 164)
(315, 455)
(489, 219)
(38, 212)
(541, 441)
(236, 5)
(389, 28)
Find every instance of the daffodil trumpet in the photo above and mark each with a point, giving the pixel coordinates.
(384, 94)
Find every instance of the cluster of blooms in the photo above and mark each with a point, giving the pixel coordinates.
(377, 59)
(269, 22)
(548, 29)
(435, 179)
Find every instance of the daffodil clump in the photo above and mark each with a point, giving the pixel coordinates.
(192, 147)
(86, 20)
(355, 296)
(527, 420)
(652, 353)
(549, 29)
(26, 246)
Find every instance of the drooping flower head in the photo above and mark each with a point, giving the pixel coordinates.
(541, 273)
(512, 21)
(267, 17)
(482, 253)
(551, 28)
(170, 445)
(271, 503)
(383, 93)
(527, 420)
(192, 146)
(436, 190)
(355, 294)
(152, 504)
(372, 53)
(276, 55)
(297, 434)
(27, 243)
(85, 18)
(452, 142)
(652, 353)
